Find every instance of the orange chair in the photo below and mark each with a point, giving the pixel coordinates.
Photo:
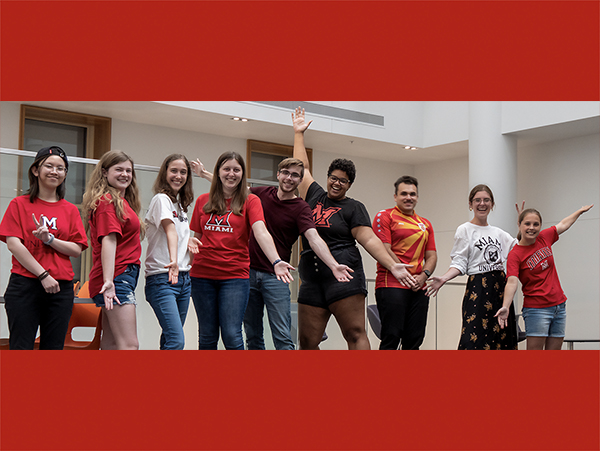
(84, 291)
(84, 315)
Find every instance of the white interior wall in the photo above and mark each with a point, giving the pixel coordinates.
(518, 116)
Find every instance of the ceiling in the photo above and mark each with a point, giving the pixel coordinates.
(218, 124)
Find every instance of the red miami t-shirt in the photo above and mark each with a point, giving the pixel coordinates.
(409, 237)
(534, 266)
(62, 219)
(225, 238)
(103, 222)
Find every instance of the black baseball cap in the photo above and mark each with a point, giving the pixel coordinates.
(52, 150)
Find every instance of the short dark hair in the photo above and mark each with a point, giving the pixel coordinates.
(343, 165)
(408, 180)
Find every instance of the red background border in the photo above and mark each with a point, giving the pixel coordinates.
(472, 50)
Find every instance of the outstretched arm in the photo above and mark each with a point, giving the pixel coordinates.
(265, 241)
(340, 272)
(199, 170)
(107, 257)
(566, 223)
(509, 293)
(437, 282)
(373, 245)
(300, 126)
(172, 245)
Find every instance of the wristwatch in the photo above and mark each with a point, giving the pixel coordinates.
(427, 272)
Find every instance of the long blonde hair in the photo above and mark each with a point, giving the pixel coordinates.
(216, 199)
(97, 187)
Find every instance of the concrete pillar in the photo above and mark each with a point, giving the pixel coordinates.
(493, 161)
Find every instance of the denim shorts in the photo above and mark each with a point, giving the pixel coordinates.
(125, 284)
(546, 322)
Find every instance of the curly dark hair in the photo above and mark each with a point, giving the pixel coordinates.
(343, 165)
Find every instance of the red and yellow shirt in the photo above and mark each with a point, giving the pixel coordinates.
(409, 237)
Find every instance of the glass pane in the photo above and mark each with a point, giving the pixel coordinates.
(264, 166)
(72, 139)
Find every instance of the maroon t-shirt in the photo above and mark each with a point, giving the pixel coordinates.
(285, 220)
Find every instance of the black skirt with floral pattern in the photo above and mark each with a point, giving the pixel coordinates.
(483, 298)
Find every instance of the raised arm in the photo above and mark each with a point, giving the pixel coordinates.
(265, 241)
(566, 223)
(373, 245)
(300, 126)
(200, 171)
(340, 272)
(509, 293)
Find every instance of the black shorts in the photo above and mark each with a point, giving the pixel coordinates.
(320, 288)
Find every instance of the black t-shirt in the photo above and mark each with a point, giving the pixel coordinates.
(285, 220)
(335, 219)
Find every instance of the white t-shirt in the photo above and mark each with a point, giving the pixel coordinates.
(480, 249)
(157, 255)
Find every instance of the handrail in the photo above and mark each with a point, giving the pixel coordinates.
(140, 167)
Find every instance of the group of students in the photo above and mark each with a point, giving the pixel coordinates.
(236, 263)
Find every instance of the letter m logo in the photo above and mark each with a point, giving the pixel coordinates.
(50, 223)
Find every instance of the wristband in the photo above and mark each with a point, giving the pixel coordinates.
(276, 261)
(47, 243)
(43, 275)
(427, 272)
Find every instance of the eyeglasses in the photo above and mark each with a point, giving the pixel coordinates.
(287, 173)
(487, 200)
(51, 167)
(341, 181)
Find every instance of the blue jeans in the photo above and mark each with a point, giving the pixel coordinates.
(170, 304)
(220, 304)
(266, 290)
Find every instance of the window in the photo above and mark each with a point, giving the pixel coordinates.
(262, 159)
(79, 135)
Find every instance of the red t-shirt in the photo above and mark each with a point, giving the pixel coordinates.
(409, 236)
(103, 222)
(63, 221)
(534, 266)
(224, 251)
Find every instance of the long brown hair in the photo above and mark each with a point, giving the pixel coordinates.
(186, 192)
(525, 213)
(97, 187)
(216, 200)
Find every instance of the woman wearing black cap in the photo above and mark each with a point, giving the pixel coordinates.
(42, 231)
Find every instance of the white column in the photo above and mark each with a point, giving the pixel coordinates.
(493, 161)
